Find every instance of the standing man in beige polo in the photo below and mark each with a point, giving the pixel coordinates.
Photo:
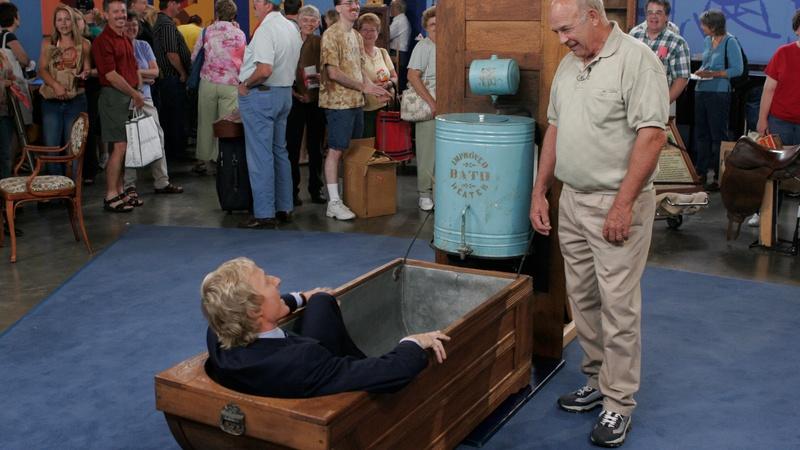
(608, 106)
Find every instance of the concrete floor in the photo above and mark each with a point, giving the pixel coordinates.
(47, 254)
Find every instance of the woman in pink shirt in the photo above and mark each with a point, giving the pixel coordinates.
(224, 45)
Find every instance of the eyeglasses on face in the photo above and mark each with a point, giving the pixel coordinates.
(651, 12)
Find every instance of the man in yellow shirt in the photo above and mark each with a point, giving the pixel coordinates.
(191, 31)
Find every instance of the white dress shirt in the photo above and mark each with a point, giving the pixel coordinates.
(399, 33)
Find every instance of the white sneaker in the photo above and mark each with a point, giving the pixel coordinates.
(339, 210)
(425, 203)
(754, 221)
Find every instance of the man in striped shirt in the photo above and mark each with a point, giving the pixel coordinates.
(174, 60)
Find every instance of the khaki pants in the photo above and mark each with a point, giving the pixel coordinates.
(157, 167)
(213, 101)
(604, 292)
(426, 156)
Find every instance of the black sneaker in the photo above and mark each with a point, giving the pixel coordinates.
(610, 429)
(582, 400)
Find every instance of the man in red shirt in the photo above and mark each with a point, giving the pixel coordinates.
(780, 101)
(119, 77)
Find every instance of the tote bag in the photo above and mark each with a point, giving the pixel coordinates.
(413, 108)
(144, 143)
(194, 76)
(26, 106)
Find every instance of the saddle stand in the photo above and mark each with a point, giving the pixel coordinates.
(751, 183)
(770, 239)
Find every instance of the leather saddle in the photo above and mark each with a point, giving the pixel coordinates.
(747, 169)
(229, 126)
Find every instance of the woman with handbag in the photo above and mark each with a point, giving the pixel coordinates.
(379, 68)
(220, 49)
(422, 78)
(64, 65)
(722, 60)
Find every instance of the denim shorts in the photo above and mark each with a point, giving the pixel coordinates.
(343, 125)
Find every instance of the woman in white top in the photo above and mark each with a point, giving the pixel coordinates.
(422, 76)
(379, 68)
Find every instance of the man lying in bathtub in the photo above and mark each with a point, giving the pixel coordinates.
(249, 353)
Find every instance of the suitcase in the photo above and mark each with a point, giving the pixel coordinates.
(233, 179)
(393, 136)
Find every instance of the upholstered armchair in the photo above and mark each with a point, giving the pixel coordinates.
(17, 190)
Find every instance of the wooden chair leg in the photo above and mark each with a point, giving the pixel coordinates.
(2, 221)
(72, 219)
(79, 213)
(11, 234)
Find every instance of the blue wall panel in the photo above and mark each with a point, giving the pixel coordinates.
(30, 30)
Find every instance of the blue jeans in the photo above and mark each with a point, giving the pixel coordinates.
(6, 132)
(788, 131)
(711, 111)
(264, 115)
(57, 118)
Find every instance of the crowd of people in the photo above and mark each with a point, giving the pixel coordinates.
(295, 79)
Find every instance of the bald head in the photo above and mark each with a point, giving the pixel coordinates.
(583, 6)
(581, 25)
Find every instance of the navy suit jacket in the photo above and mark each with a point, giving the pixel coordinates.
(300, 367)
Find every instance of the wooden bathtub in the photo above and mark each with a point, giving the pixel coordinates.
(487, 315)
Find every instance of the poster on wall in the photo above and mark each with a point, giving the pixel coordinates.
(760, 25)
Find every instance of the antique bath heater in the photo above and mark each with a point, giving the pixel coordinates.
(485, 166)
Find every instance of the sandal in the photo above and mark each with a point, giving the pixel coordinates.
(200, 168)
(117, 204)
(132, 197)
(170, 189)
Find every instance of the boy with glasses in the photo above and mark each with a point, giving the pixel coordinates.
(344, 83)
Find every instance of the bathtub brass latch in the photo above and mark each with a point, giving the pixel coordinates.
(231, 420)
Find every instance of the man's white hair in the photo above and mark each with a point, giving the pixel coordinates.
(585, 5)
(597, 5)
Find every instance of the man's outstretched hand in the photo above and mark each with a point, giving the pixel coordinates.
(433, 340)
(308, 294)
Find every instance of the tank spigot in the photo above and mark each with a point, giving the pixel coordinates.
(464, 250)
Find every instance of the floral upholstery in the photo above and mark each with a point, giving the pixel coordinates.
(44, 183)
(76, 136)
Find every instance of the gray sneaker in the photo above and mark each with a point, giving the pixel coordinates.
(582, 400)
(610, 429)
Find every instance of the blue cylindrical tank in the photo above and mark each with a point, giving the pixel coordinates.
(484, 177)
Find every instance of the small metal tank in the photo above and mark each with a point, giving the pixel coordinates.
(494, 77)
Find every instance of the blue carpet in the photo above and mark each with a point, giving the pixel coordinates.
(719, 369)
